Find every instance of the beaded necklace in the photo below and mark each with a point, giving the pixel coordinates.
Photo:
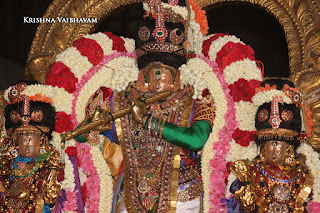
(277, 180)
(10, 204)
(39, 161)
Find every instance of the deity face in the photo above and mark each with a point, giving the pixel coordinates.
(160, 77)
(275, 152)
(28, 141)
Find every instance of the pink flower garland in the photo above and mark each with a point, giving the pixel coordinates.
(314, 207)
(71, 202)
(93, 180)
(221, 148)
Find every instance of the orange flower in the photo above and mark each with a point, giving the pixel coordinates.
(287, 87)
(200, 17)
(266, 88)
(36, 97)
(309, 120)
(42, 98)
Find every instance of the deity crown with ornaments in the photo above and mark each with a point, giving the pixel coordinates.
(280, 178)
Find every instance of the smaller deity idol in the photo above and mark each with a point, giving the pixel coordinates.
(29, 166)
(277, 180)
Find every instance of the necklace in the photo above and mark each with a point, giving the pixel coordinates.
(148, 155)
(277, 180)
(20, 192)
(39, 162)
(137, 146)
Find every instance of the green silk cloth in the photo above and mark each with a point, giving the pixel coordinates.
(191, 138)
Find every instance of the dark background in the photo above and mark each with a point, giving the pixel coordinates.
(252, 24)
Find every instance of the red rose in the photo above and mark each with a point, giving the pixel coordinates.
(243, 90)
(84, 192)
(61, 76)
(90, 49)
(71, 151)
(243, 137)
(118, 42)
(63, 122)
(232, 52)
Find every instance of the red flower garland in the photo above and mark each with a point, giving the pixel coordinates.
(90, 49)
(243, 90)
(72, 151)
(118, 42)
(243, 137)
(232, 52)
(61, 76)
(63, 122)
(84, 192)
(207, 43)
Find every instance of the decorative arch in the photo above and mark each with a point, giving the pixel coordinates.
(300, 20)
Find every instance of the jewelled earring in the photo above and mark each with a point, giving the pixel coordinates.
(44, 144)
(13, 152)
(290, 158)
(44, 140)
(145, 80)
(42, 150)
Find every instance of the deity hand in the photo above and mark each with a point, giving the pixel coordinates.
(51, 187)
(139, 109)
(105, 116)
(246, 195)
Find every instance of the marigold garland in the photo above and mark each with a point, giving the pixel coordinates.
(200, 17)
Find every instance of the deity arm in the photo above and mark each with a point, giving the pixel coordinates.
(190, 138)
(97, 109)
(193, 137)
(246, 194)
(51, 187)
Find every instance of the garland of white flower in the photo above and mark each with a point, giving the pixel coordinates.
(195, 36)
(192, 73)
(218, 44)
(313, 163)
(120, 72)
(106, 185)
(245, 111)
(116, 74)
(68, 181)
(246, 69)
(267, 96)
(106, 43)
(245, 114)
(79, 66)
(199, 74)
